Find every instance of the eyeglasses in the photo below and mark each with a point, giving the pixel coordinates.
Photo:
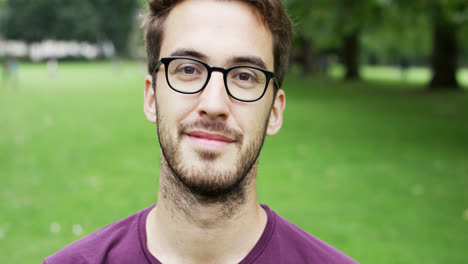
(190, 76)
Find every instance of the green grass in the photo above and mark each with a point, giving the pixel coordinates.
(377, 169)
(415, 75)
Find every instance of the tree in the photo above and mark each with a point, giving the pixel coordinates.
(2, 16)
(84, 20)
(447, 17)
(303, 50)
(400, 35)
(115, 20)
(337, 24)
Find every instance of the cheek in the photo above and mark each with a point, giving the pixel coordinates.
(253, 119)
(174, 111)
(172, 105)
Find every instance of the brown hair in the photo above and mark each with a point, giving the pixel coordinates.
(272, 13)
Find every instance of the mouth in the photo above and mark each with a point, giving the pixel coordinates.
(209, 141)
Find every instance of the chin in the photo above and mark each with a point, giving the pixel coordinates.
(208, 155)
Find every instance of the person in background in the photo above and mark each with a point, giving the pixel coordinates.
(52, 67)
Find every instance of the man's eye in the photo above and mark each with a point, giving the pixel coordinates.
(246, 76)
(243, 76)
(187, 70)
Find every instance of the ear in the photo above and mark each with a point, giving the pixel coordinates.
(276, 115)
(149, 106)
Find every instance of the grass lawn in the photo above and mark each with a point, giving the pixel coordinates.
(388, 74)
(377, 169)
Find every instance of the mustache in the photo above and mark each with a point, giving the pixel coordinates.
(215, 126)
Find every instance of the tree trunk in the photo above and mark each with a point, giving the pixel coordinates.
(444, 57)
(308, 51)
(351, 52)
(304, 55)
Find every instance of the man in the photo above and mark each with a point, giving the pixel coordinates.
(213, 95)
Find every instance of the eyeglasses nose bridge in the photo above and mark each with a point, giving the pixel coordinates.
(217, 69)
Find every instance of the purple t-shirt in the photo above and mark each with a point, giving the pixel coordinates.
(125, 242)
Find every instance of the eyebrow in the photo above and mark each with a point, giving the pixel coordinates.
(254, 60)
(257, 61)
(189, 53)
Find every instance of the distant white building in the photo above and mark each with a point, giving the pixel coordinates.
(55, 49)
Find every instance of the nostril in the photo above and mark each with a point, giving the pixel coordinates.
(213, 115)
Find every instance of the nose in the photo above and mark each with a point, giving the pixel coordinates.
(214, 100)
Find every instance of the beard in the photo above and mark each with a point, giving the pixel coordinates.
(203, 179)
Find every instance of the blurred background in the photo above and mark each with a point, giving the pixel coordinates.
(372, 156)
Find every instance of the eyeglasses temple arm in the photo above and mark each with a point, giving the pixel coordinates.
(276, 82)
(156, 68)
(154, 74)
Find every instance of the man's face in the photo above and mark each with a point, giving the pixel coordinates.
(209, 139)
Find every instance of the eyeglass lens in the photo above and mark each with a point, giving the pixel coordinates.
(190, 76)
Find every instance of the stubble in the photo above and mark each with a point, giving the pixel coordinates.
(186, 185)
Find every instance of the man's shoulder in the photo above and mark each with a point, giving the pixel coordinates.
(105, 244)
(291, 242)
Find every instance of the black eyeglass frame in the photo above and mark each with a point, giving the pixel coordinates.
(166, 60)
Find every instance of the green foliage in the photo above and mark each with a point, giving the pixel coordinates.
(463, 43)
(390, 29)
(326, 22)
(2, 17)
(85, 20)
(450, 12)
(399, 34)
(116, 19)
(78, 21)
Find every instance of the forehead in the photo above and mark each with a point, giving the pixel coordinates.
(219, 30)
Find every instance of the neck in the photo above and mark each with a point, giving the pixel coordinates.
(187, 228)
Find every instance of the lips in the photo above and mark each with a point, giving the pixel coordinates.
(210, 136)
(210, 141)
